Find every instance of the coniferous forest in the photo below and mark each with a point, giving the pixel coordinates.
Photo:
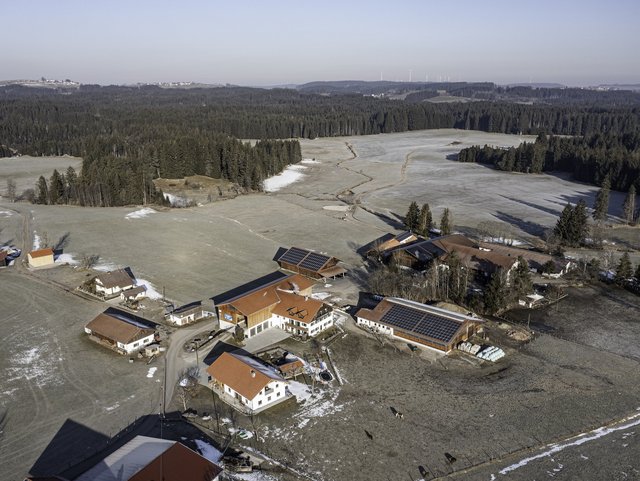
(128, 136)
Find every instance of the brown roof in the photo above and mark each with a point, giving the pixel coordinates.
(297, 307)
(118, 278)
(471, 255)
(535, 259)
(134, 291)
(291, 366)
(178, 463)
(332, 271)
(243, 374)
(256, 301)
(48, 251)
(117, 330)
(270, 295)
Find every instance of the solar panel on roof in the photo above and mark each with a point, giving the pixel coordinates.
(437, 327)
(293, 256)
(314, 261)
(402, 317)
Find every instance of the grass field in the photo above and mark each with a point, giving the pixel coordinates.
(358, 189)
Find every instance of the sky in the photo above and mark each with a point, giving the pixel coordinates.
(277, 42)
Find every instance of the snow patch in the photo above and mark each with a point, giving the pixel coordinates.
(176, 200)
(105, 266)
(209, 452)
(139, 214)
(337, 208)
(66, 259)
(629, 422)
(36, 241)
(310, 161)
(504, 240)
(5, 213)
(321, 296)
(277, 182)
(152, 293)
(152, 371)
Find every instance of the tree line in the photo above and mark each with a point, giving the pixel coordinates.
(589, 159)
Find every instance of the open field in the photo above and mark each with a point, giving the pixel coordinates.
(551, 389)
(488, 417)
(26, 170)
(52, 373)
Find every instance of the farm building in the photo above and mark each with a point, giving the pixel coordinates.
(188, 313)
(111, 283)
(275, 300)
(121, 331)
(246, 383)
(386, 242)
(147, 459)
(484, 258)
(309, 264)
(41, 257)
(424, 325)
(134, 294)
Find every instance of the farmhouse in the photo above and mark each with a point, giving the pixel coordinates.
(424, 325)
(41, 257)
(246, 383)
(188, 313)
(148, 459)
(113, 282)
(121, 331)
(309, 264)
(275, 300)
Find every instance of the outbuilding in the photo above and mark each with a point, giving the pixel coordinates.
(41, 257)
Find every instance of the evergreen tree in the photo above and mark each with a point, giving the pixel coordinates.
(411, 219)
(571, 227)
(637, 274)
(629, 206)
(445, 222)
(624, 269)
(42, 191)
(578, 224)
(71, 181)
(495, 294)
(601, 203)
(425, 220)
(56, 188)
(521, 279)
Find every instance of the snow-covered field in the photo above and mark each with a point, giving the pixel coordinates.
(291, 174)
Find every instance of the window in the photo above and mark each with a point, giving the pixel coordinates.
(278, 394)
(260, 403)
(136, 344)
(269, 398)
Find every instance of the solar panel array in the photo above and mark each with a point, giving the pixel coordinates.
(314, 261)
(304, 258)
(419, 322)
(293, 256)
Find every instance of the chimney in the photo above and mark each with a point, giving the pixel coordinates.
(253, 373)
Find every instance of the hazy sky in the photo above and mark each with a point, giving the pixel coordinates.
(267, 42)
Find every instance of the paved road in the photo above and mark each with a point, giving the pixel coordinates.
(176, 359)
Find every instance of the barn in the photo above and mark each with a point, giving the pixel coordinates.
(309, 264)
(121, 331)
(426, 326)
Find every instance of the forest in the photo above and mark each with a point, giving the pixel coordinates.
(590, 158)
(128, 136)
